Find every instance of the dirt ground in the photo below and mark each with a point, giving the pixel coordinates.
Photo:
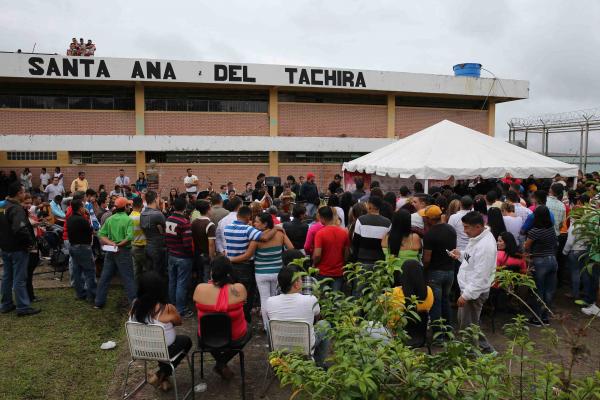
(256, 352)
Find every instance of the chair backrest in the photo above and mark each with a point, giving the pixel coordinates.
(290, 336)
(147, 341)
(215, 330)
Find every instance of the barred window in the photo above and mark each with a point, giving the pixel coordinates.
(60, 96)
(31, 155)
(314, 157)
(208, 157)
(102, 157)
(170, 99)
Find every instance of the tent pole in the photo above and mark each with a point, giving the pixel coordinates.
(426, 186)
(575, 183)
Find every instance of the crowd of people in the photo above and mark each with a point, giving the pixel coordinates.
(205, 251)
(80, 48)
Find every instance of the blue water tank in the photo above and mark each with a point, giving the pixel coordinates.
(467, 69)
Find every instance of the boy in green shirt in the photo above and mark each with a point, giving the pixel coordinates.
(117, 232)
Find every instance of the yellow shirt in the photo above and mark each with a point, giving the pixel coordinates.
(79, 185)
(138, 235)
(398, 299)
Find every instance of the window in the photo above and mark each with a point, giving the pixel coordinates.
(45, 96)
(31, 155)
(208, 157)
(334, 98)
(465, 104)
(321, 158)
(159, 99)
(101, 157)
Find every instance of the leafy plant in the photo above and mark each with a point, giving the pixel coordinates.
(368, 366)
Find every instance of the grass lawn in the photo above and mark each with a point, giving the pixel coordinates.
(56, 354)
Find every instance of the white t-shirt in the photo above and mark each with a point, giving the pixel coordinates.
(191, 180)
(513, 225)
(341, 216)
(45, 178)
(122, 180)
(455, 221)
(54, 190)
(60, 177)
(294, 307)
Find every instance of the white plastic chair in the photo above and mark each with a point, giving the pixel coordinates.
(290, 337)
(147, 342)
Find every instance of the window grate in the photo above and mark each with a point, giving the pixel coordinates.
(210, 157)
(31, 155)
(319, 158)
(101, 157)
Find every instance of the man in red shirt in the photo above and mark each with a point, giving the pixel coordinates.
(332, 249)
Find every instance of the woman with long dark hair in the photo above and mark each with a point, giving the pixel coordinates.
(401, 242)
(267, 259)
(152, 307)
(541, 244)
(221, 295)
(508, 255)
(346, 204)
(480, 206)
(411, 282)
(496, 222)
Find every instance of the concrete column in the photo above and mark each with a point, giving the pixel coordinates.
(273, 130)
(140, 156)
(62, 158)
(391, 116)
(139, 108)
(491, 119)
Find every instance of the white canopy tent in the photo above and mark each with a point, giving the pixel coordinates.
(447, 149)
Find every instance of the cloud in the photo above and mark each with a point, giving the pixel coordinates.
(551, 43)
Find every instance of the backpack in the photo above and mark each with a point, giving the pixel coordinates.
(6, 235)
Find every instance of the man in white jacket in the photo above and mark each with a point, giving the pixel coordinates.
(476, 273)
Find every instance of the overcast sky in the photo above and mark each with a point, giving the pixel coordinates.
(552, 44)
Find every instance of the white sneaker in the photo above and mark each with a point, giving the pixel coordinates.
(591, 310)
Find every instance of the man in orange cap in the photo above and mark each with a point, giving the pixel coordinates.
(117, 232)
(439, 266)
(310, 194)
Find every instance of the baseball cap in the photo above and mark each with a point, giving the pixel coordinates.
(121, 202)
(433, 212)
(310, 175)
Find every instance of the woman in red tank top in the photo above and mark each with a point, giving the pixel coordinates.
(221, 295)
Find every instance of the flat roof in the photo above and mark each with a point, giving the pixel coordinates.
(173, 72)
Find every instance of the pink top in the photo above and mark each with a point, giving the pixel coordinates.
(504, 260)
(235, 312)
(309, 244)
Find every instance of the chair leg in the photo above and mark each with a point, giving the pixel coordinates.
(201, 364)
(243, 373)
(126, 379)
(139, 386)
(193, 383)
(267, 381)
(174, 381)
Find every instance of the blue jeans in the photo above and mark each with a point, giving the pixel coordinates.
(83, 264)
(544, 275)
(336, 284)
(576, 263)
(156, 259)
(311, 210)
(15, 277)
(590, 279)
(180, 271)
(122, 262)
(321, 349)
(440, 283)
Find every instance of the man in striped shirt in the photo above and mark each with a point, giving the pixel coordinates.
(369, 229)
(180, 248)
(238, 236)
